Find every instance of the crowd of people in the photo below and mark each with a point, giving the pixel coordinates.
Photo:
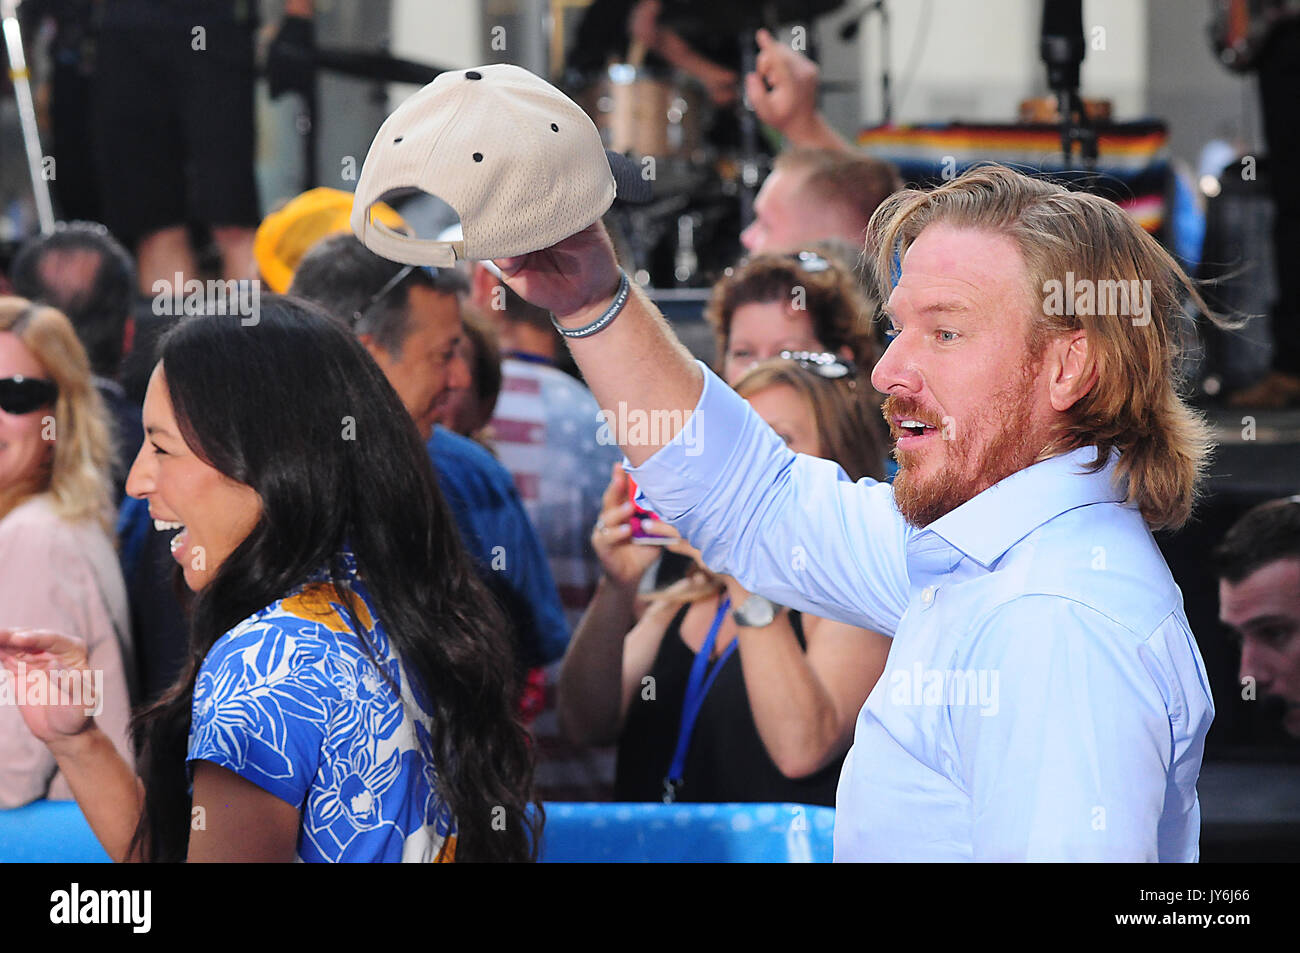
(357, 576)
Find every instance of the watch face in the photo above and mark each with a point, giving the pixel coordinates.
(756, 612)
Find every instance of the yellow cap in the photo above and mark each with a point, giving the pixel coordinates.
(289, 232)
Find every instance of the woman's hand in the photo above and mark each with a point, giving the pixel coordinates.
(57, 681)
(625, 561)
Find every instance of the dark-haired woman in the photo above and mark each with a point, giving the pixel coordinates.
(348, 693)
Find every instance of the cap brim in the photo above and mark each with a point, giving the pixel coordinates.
(630, 186)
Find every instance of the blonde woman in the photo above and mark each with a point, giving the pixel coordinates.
(711, 694)
(58, 568)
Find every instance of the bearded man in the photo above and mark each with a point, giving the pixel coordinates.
(1044, 698)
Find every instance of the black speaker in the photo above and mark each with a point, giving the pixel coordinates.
(1237, 262)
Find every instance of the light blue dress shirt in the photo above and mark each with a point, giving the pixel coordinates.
(1044, 698)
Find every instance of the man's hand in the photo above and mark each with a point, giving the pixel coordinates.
(783, 93)
(783, 87)
(572, 277)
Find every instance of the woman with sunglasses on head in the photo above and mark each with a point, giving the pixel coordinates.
(348, 694)
(714, 693)
(806, 301)
(58, 569)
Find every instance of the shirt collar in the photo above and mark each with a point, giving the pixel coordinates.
(987, 526)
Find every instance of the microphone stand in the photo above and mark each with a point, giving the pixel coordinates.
(21, 78)
(1062, 50)
(1076, 127)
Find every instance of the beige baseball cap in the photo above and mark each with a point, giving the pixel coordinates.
(520, 163)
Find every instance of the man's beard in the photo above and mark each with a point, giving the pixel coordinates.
(964, 470)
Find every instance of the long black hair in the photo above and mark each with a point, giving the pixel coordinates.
(294, 407)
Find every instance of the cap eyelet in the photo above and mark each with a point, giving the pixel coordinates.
(554, 128)
(398, 139)
(473, 74)
(478, 157)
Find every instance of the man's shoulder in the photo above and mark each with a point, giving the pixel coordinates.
(1101, 556)
(459, 457)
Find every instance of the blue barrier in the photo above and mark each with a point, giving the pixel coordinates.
(48, 832)
(56, 832)
(687, 833)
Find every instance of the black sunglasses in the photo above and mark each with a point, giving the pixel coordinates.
(22, 395)
(436, 275)
(822, 364)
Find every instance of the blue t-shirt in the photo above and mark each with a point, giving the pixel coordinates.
(290, 700)
(499, 535)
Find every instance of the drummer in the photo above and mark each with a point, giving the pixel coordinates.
(616, 29)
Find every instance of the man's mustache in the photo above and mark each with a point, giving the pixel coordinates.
(908, 408)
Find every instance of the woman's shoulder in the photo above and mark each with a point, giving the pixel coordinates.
(34, 513)
(313, 621)
(38, 528)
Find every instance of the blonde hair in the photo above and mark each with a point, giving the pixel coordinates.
(850, 428)
(77, 478)
(1067, 239)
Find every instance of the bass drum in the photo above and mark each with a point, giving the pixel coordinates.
(646, 114)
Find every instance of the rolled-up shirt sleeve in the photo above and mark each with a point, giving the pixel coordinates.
(791, 527)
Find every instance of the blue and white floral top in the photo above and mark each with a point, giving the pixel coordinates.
(290, 700)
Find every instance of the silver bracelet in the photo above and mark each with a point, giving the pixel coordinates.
(620, 299)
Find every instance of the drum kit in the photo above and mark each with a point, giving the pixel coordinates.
(706, 160)
(660, 119)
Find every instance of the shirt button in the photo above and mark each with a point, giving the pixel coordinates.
(927, 595)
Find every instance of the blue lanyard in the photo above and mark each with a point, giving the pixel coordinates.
(697, 687)
(529, 358)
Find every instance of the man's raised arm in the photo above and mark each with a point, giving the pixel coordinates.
(635, 366)
(787, 527)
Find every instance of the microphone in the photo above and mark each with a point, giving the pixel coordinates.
(1061, 46)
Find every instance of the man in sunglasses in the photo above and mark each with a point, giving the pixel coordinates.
(1044, 697)
(408, 318)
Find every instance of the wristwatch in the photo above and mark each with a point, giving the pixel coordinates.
(755, 612)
